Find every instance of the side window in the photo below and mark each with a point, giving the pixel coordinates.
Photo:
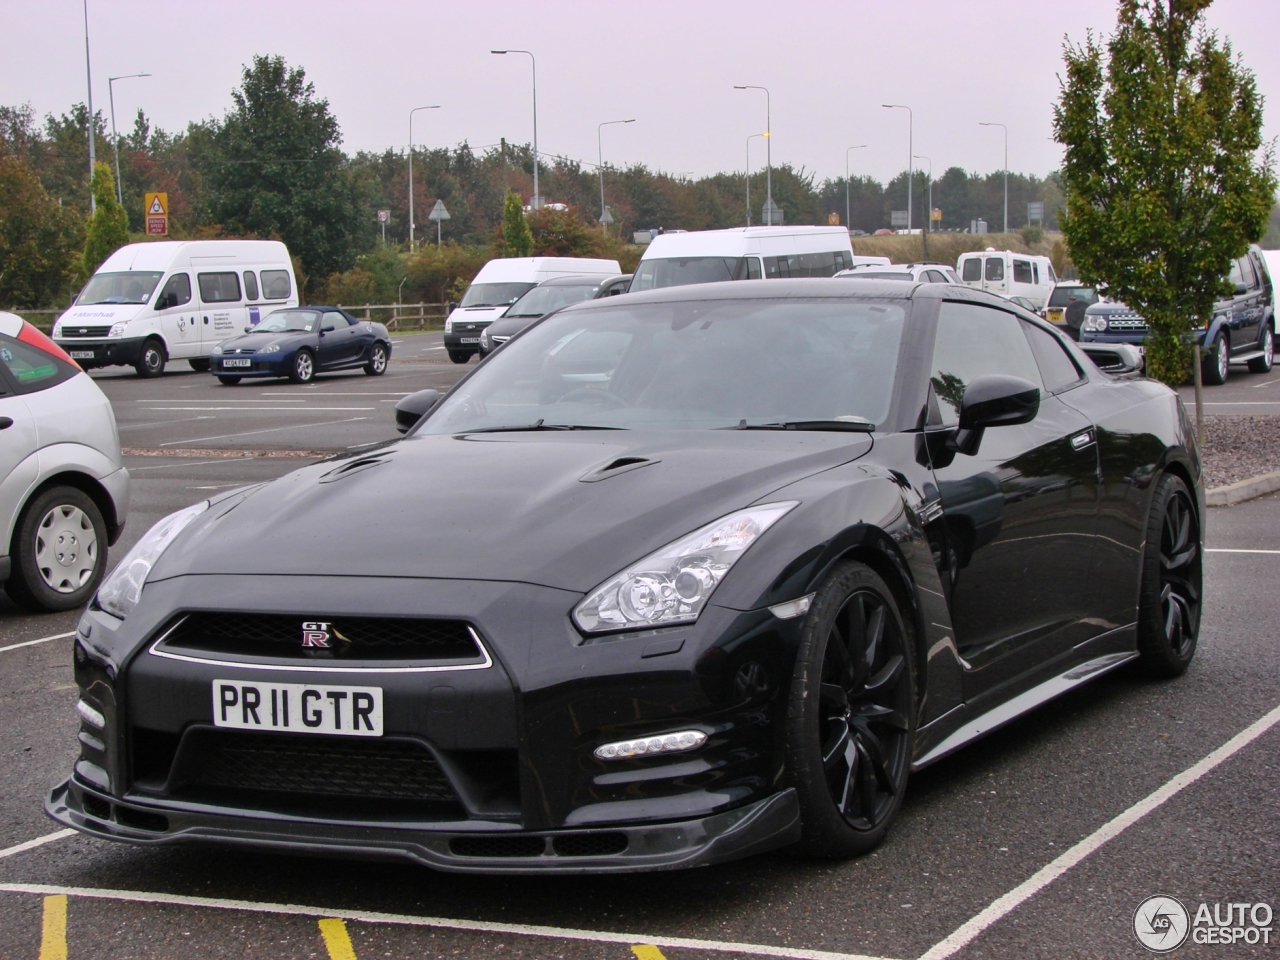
(1056, 366)
(974, 341)
(842, 261)
(1246, 268)
(333, 321)
(935, 276)
(1035, 273)
(1264, 275)
(1021, 271)
(1236, 276)
(753, 270)
(275, 285)
(1051, 273)
(250, 285)
(176, 292)
(219, 287)
(32, 369)
(995, 268)
(972, 269)
(777, 268)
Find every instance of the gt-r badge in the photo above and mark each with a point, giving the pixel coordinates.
(315, 634)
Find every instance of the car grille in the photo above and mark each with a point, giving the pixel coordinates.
(1126, 324)
(353, 638)
(85, 331)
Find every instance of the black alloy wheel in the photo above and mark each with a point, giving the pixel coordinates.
(228, 381)
(850, 718)
(1171, 587)
(151, 360)
(1267, 344)
(304, 367)
(200, 365)
(459, 356)
(1215, 366)
(377, 364)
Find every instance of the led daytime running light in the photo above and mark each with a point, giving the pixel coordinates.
(89, 715)
(677, 742)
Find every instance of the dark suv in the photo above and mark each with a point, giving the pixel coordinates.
(1241, 331)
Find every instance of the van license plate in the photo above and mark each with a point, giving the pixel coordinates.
(470, 339)
(81, 354)
(298, 708)
(236, 363)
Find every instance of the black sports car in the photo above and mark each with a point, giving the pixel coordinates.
(752, 553)
(299, 342)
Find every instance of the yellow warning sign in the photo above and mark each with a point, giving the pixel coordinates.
(156, 207)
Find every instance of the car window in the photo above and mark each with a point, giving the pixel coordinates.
(333, 321)
(935, 276)
(275, 285)
(219, 287)
(1260, 265)
(995, 268)
(1057, 368)
(973, 269)
(1021, 271)
(250, 285)
(32, 369)
(176, 292)
(1035, 273)
(975, 341)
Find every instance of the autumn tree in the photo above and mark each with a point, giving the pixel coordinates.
(109, 225)
(517, 238)
(1164, 177)
(39, 238)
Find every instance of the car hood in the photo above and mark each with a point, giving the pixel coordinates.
(97, 315)
(510, 326)
(521, 507)
(260, 341)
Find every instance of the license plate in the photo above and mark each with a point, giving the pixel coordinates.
(1054, 316)
(470, 339)
(81, 354)
(298, 708)
(237, 363)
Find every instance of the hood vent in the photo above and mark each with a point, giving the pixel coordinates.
(615, 467)
(355, 466)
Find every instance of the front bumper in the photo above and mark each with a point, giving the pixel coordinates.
(104, 353)
(464, 847)
(464, 338)
(278, 365)
(1135, 337)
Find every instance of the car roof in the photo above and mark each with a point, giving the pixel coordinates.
(832, 287)
(577, 280)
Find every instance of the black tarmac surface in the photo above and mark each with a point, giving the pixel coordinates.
(974, 826)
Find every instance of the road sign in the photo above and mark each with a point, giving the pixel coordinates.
(771, 214)
(606, 217)
(833, 219)
(438, 212)
(1035, 211)
(936, 214)
(897, 218)
(156, 210)
(384, 216)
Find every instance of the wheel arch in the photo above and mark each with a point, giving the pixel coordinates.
(86, 484)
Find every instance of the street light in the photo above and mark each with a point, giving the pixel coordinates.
(928, 218)
(434, 106)
(88, 77)
(115, 140)
(911, 152)
(848, 220)
(600, 148)
(536, 202)
(768, 136)
(749, 139)
(1006, 170)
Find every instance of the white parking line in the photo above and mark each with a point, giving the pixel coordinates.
(1228, 550)
(161, 423)
(471, 926)
(306, 409)
(37, 842)
(192, 463)
(32, 643)
(277, 400)
(1006, 904)
(249, 433)
(1242, 403)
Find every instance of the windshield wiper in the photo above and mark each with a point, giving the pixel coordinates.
(834, 426)
(539, 425)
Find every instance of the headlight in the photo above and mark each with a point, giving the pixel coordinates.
(448, 325)
(274, 348)
(122, 589)
(57, 330)
(117, 329)
(484, 338)
(217, 350)
(672, 585)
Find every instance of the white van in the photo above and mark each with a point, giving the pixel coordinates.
(501, 283)
(1008, 274)
(746, 253)
(174, 300)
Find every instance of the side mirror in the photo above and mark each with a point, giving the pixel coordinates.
(248, 329)
(414, 407)
(994, 401)
(1241, 288)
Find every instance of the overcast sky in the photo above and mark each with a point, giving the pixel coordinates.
(670, 65)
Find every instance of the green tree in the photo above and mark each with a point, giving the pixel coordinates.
(517, 238)
(39, 239)
(109, 225)
(1163, 177)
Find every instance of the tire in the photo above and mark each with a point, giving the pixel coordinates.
(228, 381)
(459, 356)
(304, 367)
(850, 720)
(200, 366)
(151, 360)
(377, 364)
(59, 551)
(1215, 367)
(1263, 363)
(1170, 588)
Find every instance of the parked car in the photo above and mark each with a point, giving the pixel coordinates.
(923, 272)
(1008, 274)
(64, 491)
(547, 296)
(1025, 304)
(1067, 304)
(1241, 330)
(719, 597)
(300, 342)
(141, 308)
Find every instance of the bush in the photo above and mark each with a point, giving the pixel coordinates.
(1031, 235)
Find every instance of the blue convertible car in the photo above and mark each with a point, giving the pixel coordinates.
(299, 342)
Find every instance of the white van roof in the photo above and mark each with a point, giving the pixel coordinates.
(1008, 253)
(530, 269)
(740, 241)
(161, 254)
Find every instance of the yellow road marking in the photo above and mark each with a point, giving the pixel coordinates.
(647, 951)
(53, 938)
(336, 940)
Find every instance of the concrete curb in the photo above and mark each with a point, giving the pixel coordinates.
(1242, 490)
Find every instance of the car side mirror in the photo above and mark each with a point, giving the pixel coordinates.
(414, 407)
(993, 401)
(248, 329)
(1241, 288)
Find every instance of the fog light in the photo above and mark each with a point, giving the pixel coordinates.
(676, 742)
(91, 716)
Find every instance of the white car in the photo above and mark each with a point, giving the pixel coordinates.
(922, 272)
(64, 491)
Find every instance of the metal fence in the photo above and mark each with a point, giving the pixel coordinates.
(397, 316)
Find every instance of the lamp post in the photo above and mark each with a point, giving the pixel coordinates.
(600, 148)
(115, 140)
(848, 219)
(1006, 170)
(768, 136)
(911, 152)
(434, 106)
(536, 202)
(749, 139)
(88, 76)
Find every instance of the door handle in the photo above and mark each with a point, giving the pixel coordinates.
(206, 319)
(5, 423)
(1082, 440)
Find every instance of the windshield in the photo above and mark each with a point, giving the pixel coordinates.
(494, 294)
(690, 365)
(542, 300)
(288, 321)
(134, 286)
(679, 271)
(1061, 296)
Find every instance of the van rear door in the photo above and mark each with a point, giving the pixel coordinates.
(993, 275)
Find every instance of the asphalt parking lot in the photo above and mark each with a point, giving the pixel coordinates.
(1009, 848)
